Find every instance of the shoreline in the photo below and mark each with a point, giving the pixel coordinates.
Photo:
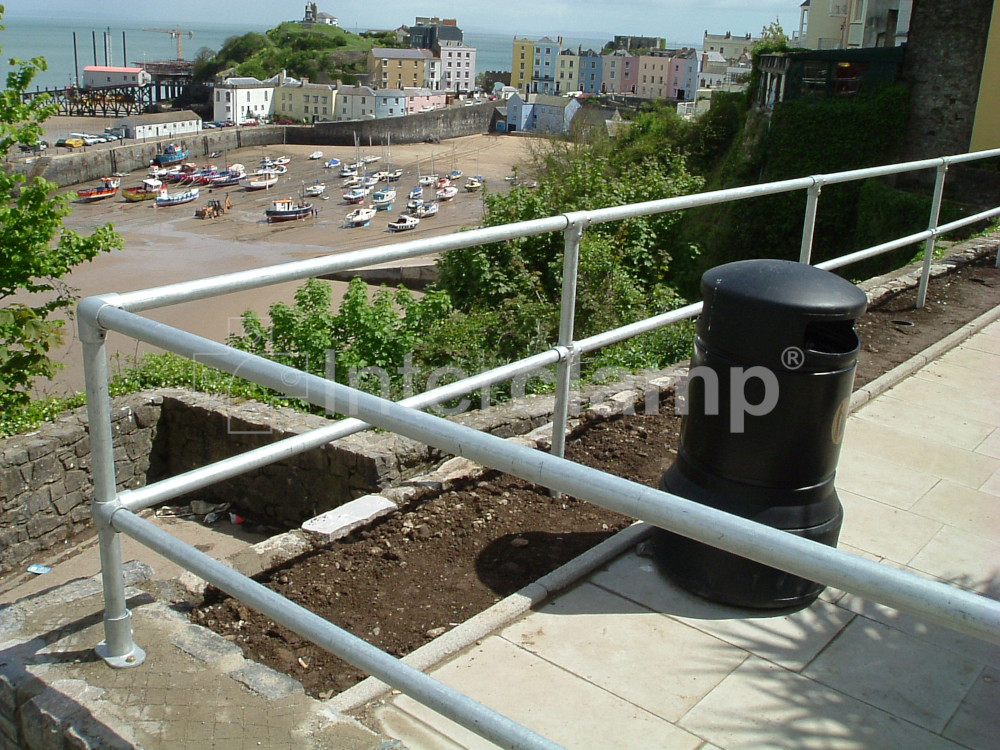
(168, 245)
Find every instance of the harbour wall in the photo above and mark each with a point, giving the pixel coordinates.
(96, 162)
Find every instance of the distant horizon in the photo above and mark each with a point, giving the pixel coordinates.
(148, 16)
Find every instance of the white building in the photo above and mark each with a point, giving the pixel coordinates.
(108, 75)
(165, 124)
(355, 103)
(242, 99)
(458, 67)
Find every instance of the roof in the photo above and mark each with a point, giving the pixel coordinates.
(109, 69)
(547, 100)
(356, 91)
(185, 115)
(242, 83)
(406, 54)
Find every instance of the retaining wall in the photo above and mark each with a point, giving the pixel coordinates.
(46, 486)
(45, 482)
(87, 165)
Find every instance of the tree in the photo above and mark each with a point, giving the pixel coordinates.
(36, 251)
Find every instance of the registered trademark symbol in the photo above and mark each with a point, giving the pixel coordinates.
(792, 358)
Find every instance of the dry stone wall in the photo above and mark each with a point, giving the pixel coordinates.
(45, 483)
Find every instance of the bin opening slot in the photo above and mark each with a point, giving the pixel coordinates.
(831, 337)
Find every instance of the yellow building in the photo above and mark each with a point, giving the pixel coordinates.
(402, 68)
(567, 71)
(304, 102)
(522, 62)
(986, 128)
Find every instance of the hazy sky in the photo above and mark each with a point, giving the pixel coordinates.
(674, 20)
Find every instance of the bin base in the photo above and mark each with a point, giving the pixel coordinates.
(726, 578)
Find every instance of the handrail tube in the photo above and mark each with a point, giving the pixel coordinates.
(243, 280)
(188, 291)
(871, 252)
(932, 224)
(910, 239)
(446, 700)
(573, 235)
(937, 602)
(599, 340)
(227, 468)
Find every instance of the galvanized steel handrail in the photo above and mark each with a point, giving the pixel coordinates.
(938, 602)
(114, 511)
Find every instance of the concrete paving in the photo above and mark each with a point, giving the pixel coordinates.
(627, 659)
(620, 659)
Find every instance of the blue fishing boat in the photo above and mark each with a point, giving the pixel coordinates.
(171, 155)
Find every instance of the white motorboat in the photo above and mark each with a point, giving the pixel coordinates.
(447, 193)
(316, 189)
(403, 223)
(425, 210)
(261, 180)
(316, 155)
(360, 217)
(383, 199)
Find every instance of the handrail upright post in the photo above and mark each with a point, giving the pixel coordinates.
(567, 314)
(925, 273)
(117, 649)
(809, 222)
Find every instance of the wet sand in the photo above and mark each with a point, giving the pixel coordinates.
(168, 245)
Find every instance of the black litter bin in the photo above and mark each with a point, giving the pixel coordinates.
(767, 401)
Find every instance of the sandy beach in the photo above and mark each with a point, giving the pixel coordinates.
(168, 244)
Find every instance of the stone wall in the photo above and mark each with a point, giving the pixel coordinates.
(45, 483)
(200, 428)
(943, 67)
(46, 487)
(88, 165)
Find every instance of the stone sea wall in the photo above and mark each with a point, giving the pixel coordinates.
(88, 165)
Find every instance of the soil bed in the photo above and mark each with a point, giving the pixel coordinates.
(451, 555)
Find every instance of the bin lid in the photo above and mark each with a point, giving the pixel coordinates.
(780, 314)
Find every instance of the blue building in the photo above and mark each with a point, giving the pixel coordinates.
(389, 103)
(543, 70)
(591, 72)
(541, 113)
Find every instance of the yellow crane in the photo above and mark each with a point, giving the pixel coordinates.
(177, 34)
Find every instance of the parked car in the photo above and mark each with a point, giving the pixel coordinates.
(70, 142)
(27, 148)
(209, 125)
(249, 122)
(284, 121)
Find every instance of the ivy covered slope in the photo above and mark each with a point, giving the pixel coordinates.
(317, 52)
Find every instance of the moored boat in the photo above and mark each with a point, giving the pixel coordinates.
(332, 163)
(474, 183)
(403, 223)
(395, 174)
(348, 170)
(147, 191)
(316, 155)
(288, 209)
(425, 210)
(359, 217)
(383, 199)
(171, 155)
(447, 193)
(416, 194)
(107, 188)
(261, 180)
(428, 180)
(315, 190)
(175, 199)
(355, 195)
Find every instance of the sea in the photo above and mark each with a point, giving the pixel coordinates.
(111, 44)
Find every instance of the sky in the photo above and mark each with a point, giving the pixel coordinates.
(674, 20)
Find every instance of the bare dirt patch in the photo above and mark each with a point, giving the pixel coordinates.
(448, 556)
